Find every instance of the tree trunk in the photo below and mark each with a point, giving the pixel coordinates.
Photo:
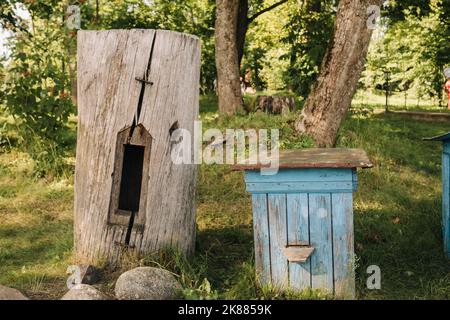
(332, 94)
(228, 85)
(242, 27)
(275, 104)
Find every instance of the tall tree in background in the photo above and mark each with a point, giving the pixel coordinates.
(233, 18)
(331, 95)
(189, 16)
(246, 17)
(228, 86)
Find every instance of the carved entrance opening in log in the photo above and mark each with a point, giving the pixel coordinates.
(130, 177)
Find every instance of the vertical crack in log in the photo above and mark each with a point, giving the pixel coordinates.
(144, 81)
(175, 126)
(129, 229)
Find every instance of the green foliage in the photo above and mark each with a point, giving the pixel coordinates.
(190, 16)
(36, 228)
(309, 31)
(396, 10)
(415, 51)
(36, 87)
(263, 46)
(8, 17)
(255, 63)
(247, 287)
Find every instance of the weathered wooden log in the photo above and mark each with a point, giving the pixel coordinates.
(275, 104)
(134, 88)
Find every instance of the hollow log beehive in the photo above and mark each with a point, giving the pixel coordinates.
(135, 87)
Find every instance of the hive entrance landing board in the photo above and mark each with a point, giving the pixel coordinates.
(129, 190)
(134, 87)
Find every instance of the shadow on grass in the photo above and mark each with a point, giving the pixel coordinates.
(227, 249)
(34, 257)
(407, 245)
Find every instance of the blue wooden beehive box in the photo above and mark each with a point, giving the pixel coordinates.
(303, 219)
(445, 138)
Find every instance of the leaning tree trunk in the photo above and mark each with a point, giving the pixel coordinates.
(228, 85)
(341, 68)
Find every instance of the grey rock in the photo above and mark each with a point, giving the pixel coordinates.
(11, 294)
(146, 283)
(84, 292)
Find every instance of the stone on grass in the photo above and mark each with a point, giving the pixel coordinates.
(11, 294)
(84, 292)
(146, 283)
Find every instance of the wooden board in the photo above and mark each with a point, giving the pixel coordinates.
(321, 239)
(298, 233)
(262, 238)
(301, 181)
(109, 62)
(315, 158)
(277, 231)
(343, 245)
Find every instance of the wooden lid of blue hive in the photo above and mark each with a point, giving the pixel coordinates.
(442, 137)
(315, 158)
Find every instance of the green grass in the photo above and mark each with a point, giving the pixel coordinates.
(35, 227)
(397, 217)
(398, 101)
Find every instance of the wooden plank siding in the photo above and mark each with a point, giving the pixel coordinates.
(278, 236)
(262, 238)
(305, 217)
(321, 240)
(297, 233)
(343, 244)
